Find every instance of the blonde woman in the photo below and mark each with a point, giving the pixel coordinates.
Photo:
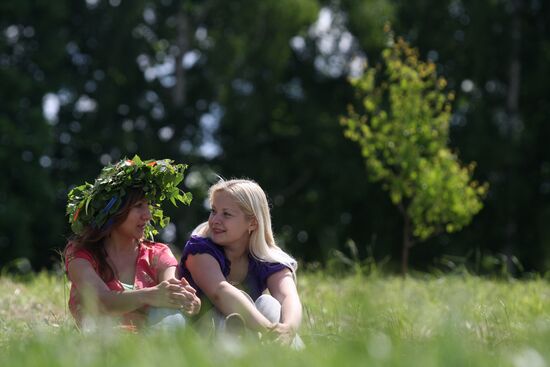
(232, 260)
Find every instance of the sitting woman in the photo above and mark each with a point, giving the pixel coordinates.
(114, 271)
(233, 259)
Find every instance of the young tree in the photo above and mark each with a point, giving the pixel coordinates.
(402, 127)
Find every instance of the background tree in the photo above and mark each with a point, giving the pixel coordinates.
(492, 53)
(403, 134)
(273, 127)
(255, 89)
(28, 57)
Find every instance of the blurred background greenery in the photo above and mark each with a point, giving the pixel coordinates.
(256, 89)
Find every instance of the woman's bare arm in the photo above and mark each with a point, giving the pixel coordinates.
(282, 287)
(98, 297)
(228, 299)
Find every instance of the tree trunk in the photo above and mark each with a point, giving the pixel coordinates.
(514, 71)
(179, 91)
(514, 124)
(407, 241)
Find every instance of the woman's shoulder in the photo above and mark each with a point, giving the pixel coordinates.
(197, 245)
(73, 251)
(154, 245)
(265, 268)
(156, 254)
(201, 243)
(154, 248)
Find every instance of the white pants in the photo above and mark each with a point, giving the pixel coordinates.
(165, 318)
(213, 320)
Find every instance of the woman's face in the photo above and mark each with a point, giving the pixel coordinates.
(138, 217)
(229, 225)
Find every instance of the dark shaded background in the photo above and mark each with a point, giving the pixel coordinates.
(254, 89)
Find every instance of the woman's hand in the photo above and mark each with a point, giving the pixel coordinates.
(167, 293)
(282, 333)
(174, 293)
(189, 302)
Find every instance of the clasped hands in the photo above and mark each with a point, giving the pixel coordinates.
(174, 293)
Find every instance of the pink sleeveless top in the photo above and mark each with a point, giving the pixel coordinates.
(152, 259)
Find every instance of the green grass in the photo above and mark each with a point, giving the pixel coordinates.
(353, 320)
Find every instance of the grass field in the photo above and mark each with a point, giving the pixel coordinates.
(348, 321)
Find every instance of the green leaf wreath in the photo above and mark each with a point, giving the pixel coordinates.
(94, 205)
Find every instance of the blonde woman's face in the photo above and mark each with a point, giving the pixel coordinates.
(229, 225)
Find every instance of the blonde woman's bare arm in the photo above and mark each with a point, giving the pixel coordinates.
(228, 299)
(282, 287)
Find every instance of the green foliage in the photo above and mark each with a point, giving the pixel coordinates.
(367, 19)
(402, 128)
(268, 98)
(93, 205)
(343, 263)
(498, 266)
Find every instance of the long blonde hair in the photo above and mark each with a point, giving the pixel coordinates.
(253, 202)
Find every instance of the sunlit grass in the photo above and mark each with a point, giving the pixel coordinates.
(352, 320)
(28, 306)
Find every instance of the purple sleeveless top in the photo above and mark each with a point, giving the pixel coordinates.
(258, 271)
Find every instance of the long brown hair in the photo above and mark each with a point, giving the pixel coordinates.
(93, 238)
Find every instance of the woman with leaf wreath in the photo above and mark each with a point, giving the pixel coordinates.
(114, 270)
